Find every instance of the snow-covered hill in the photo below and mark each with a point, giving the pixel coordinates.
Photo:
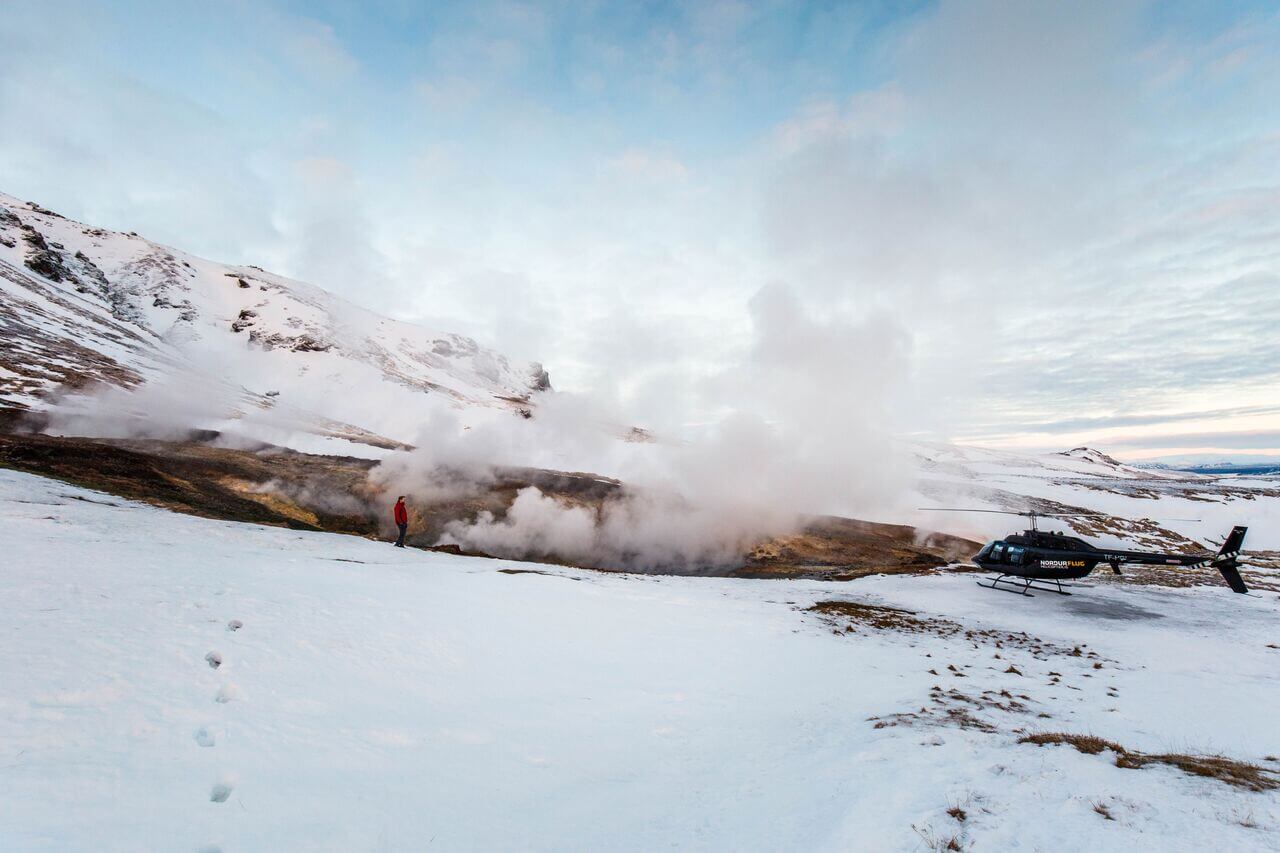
(111, 335)
(1141, 507)
(81, 305)
(177, 683)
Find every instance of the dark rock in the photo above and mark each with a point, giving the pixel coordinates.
(275, 340)
(90, 270)
(306, 343)
(244, 321)
(46, 263)
(541, 379)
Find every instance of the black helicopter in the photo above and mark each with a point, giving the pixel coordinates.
(1034, 559)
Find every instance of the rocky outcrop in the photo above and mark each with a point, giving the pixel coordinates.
(295, 343)
(186, 311)
(541, 380)
(43, 259)
(245, 319)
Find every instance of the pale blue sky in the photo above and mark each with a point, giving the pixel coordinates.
(1070, 212)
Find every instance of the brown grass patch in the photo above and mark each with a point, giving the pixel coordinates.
(876, 616)
(940, 843)
(848, 616)
(534, 572)
(1241, 774)
(831, 548)
(273, 501)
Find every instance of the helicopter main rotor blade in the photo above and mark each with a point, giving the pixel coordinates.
(961, 509)
(1028, 513)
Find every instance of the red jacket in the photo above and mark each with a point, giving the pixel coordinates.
(402, 514)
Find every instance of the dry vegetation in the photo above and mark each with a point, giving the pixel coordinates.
(851, 616)
(939, 842)
(831, 548)
(1241, 774)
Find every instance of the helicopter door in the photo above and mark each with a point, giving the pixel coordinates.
(1015, 555)
(997, 552)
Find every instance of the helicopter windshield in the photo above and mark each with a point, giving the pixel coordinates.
(1002, 552)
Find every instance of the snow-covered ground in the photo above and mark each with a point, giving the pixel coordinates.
(1198, 507)
(376, 699)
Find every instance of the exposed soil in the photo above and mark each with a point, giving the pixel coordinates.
(831, 548)
(273, 485)
(196, 478)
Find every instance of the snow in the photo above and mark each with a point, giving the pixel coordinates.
(1199, 507)
(168, 315)
(376, 699)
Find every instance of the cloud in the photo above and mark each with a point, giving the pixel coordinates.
(1072, 212)
(1256, 440)
(315, 49)
(1023, 205)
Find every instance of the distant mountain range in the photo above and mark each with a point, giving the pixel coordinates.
(1232, 468)
(1244, 464)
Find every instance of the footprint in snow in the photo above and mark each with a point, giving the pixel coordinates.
(235, 625)
(214, 659)
(220, 792)
(226, 693)
(204, 737)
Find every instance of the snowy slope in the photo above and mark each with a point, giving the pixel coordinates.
(374, 699)
(1149, 508)
(80, 305)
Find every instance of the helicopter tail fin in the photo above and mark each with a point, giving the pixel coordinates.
(1225, 561)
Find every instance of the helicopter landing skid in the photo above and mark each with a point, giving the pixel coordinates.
(1021, 586)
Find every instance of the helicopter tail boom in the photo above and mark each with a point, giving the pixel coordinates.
(1225, 561)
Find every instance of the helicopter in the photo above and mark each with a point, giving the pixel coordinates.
(1042, 560)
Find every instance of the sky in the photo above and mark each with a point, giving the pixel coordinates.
(1061, 220)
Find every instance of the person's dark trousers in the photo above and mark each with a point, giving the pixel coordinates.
(400, 541)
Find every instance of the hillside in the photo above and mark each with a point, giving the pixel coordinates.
(217, 369)
(82, 308)
(202, 685)
(1129, 507)
(273, 485)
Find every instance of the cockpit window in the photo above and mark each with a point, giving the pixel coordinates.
(997, 552)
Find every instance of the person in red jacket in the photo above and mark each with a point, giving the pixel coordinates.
(402, 520)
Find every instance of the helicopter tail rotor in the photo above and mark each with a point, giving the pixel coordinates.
(1225, 561)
